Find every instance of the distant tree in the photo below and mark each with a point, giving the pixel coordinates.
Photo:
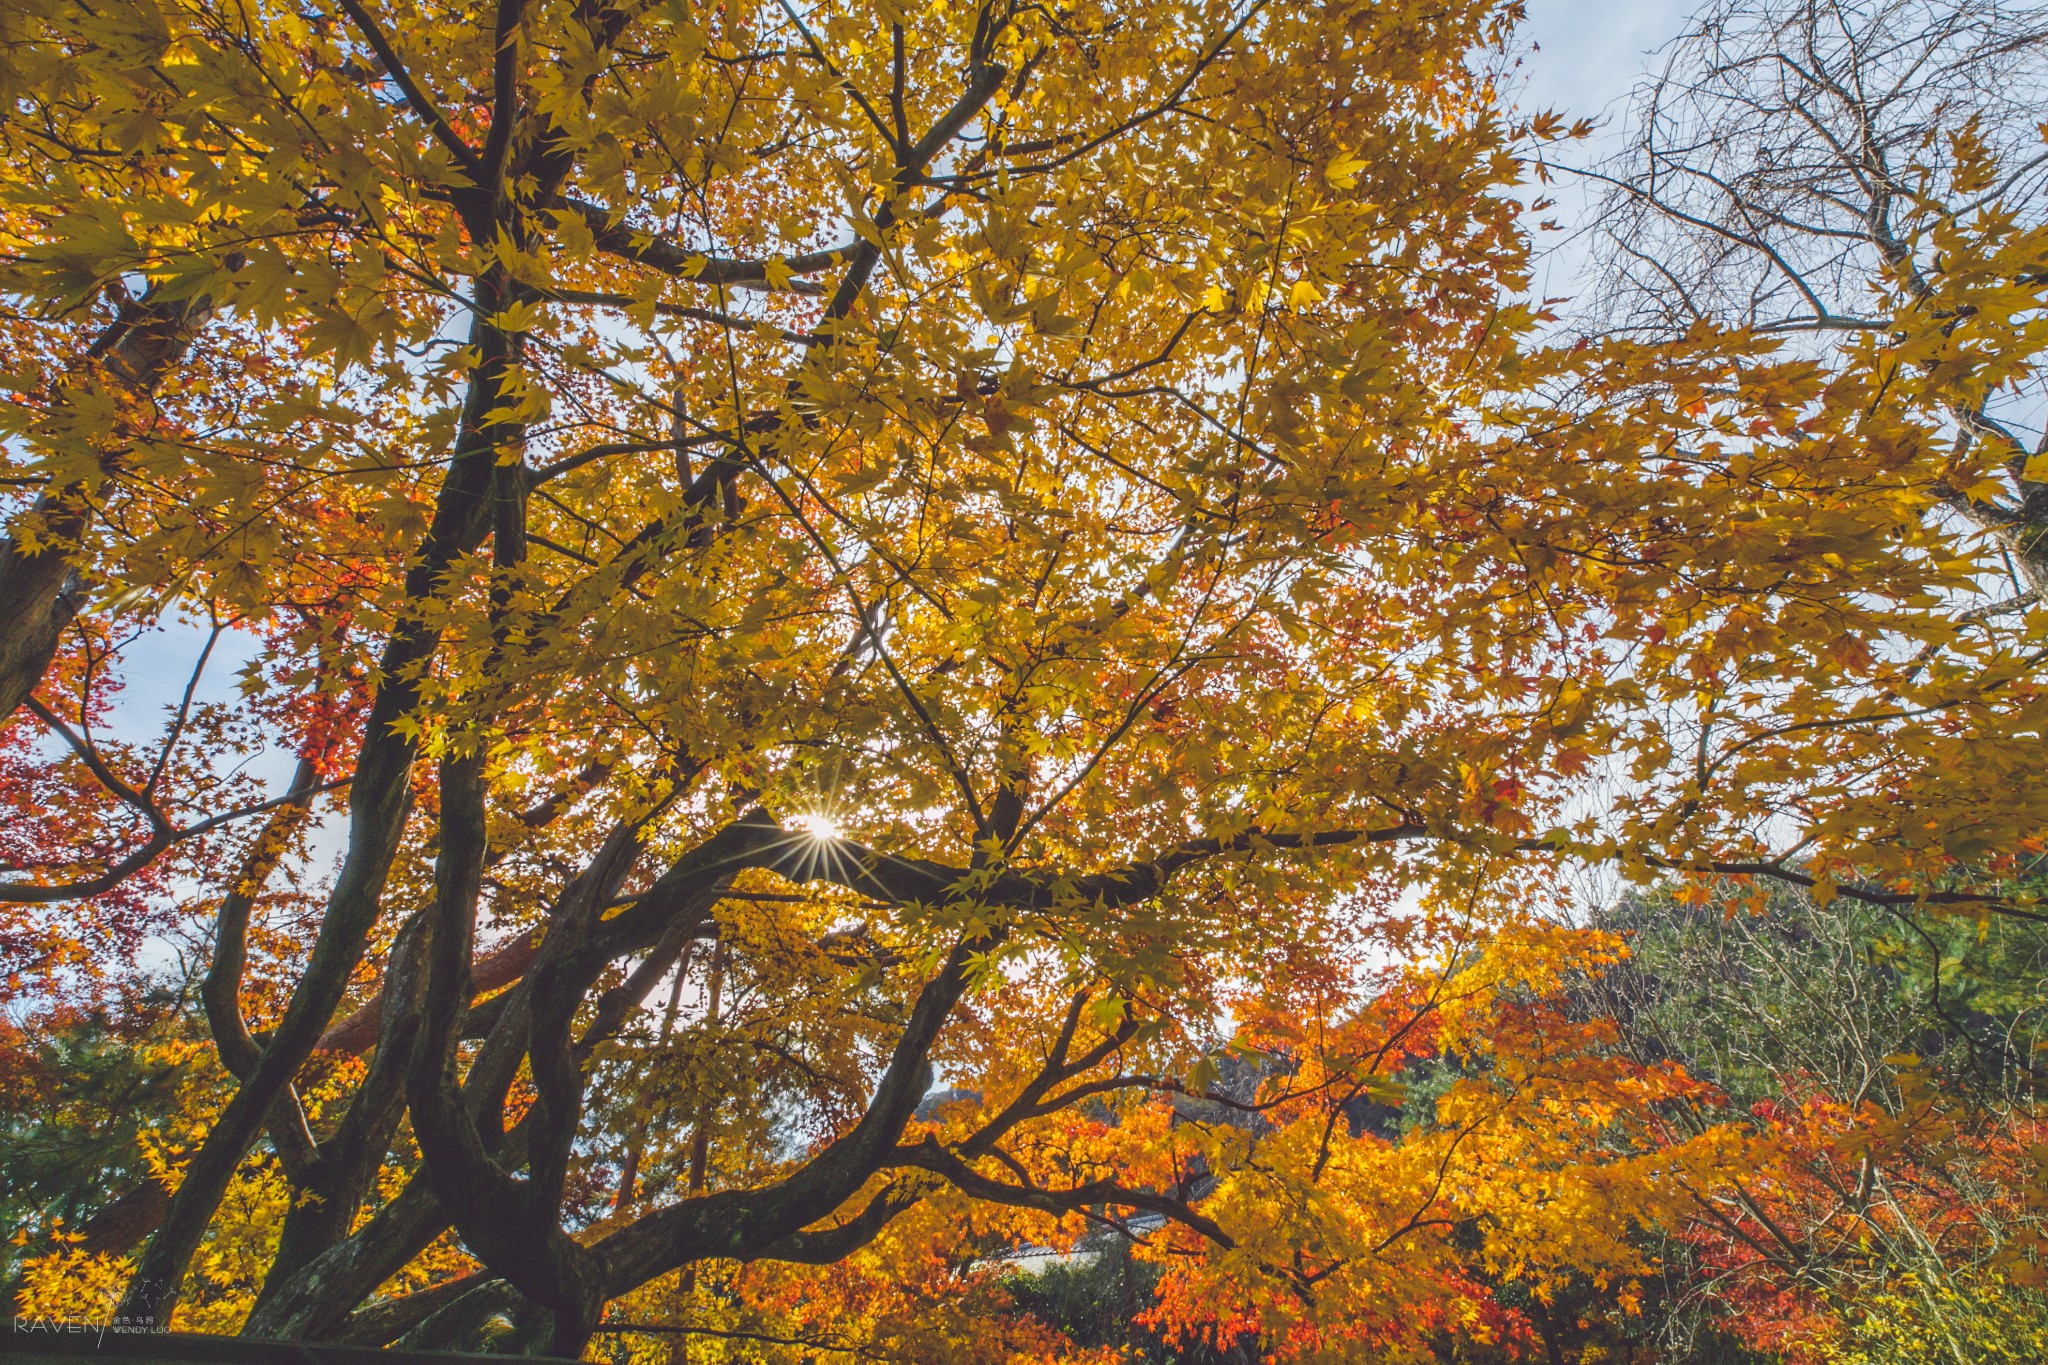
(1888, 1070)
(77, 1098)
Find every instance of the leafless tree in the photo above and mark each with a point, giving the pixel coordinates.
(1782, 171)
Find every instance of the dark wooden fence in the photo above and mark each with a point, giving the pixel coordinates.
(44, 1343)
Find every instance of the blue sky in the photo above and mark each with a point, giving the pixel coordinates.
(1592, 50)
(1587, 57)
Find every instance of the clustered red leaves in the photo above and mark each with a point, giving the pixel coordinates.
(1833, 1186)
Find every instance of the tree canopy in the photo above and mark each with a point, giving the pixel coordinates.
(902, 631)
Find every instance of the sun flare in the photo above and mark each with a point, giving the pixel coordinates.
(817, 826)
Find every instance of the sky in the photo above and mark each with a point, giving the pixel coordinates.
(1592, 51)
(1586, 57)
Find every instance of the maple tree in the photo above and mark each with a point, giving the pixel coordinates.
(799, 551)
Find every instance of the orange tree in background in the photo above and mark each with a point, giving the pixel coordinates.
(972, 542)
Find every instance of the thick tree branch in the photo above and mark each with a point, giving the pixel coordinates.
(378, 800)
(933, 1156)
(428, 112)
(616, 237)
(40, 589)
